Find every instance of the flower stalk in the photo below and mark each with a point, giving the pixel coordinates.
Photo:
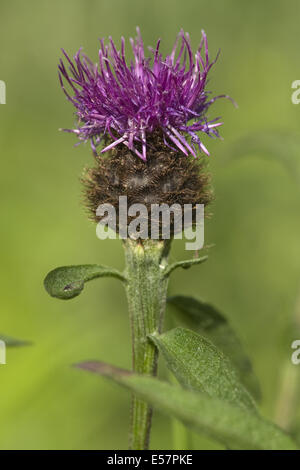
(146, 290)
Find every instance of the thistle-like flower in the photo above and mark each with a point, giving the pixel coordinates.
(151, 115)
(124, 104)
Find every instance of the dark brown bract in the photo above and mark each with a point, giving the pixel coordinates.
(167, 177)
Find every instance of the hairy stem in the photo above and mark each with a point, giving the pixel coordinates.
(146, 294)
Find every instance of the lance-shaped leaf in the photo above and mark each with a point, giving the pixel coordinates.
(186, 264)
(231, 425)
(67, 282)
(199, 365)
(13, 342)
(208, 321)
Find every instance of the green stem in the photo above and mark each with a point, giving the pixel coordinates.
(146, 290)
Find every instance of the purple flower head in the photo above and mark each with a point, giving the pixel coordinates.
(127, 102)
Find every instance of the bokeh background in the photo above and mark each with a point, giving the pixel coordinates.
(253, 272)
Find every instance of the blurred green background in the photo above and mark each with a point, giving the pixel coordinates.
(253, 272)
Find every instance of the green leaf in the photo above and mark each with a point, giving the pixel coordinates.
(186, 264)
(235, 427)
(67, 282)
(208, 321)
(13, 342)
(199, 365)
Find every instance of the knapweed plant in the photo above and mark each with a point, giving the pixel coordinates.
(146, 120)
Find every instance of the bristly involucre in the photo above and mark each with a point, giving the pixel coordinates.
(122, 103)
(167, 177)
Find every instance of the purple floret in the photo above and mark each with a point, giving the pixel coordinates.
(128, 102)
